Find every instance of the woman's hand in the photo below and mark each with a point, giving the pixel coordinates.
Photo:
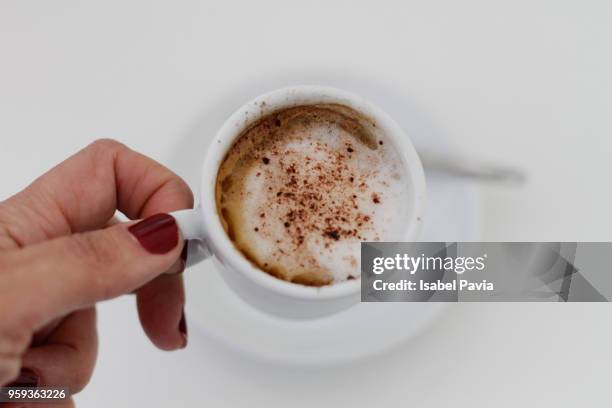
(59, 256)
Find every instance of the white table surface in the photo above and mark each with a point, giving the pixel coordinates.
(523, 82)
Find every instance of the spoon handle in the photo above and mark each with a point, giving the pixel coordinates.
(466, 167)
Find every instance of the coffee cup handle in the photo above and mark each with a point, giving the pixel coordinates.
(189, 223)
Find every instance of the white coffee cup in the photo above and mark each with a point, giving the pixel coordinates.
(255, 286)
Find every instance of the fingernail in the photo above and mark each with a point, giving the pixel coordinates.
(183, 328)
(27, 378)
(158, 234)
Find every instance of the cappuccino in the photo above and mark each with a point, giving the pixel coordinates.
(301, 188)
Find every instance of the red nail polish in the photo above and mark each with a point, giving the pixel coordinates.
(27, 378)
(158, 234)
(183, 328)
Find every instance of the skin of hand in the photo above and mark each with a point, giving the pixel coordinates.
(60, 253)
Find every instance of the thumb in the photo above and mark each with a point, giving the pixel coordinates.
(64, 274)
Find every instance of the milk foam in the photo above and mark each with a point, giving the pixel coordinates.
(303, 187)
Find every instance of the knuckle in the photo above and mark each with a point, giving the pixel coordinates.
(12, 235)
(12, 232)
(106, 145)
(102, 154)
(103, 150)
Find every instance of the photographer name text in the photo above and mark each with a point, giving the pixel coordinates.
(414, 264)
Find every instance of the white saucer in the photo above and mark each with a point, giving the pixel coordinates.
(364, 330)
(452, 214)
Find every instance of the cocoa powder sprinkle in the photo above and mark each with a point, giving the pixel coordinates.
(311, 191)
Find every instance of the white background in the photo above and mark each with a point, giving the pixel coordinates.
(521, 82)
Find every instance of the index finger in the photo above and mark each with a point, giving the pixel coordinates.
(83, 192)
